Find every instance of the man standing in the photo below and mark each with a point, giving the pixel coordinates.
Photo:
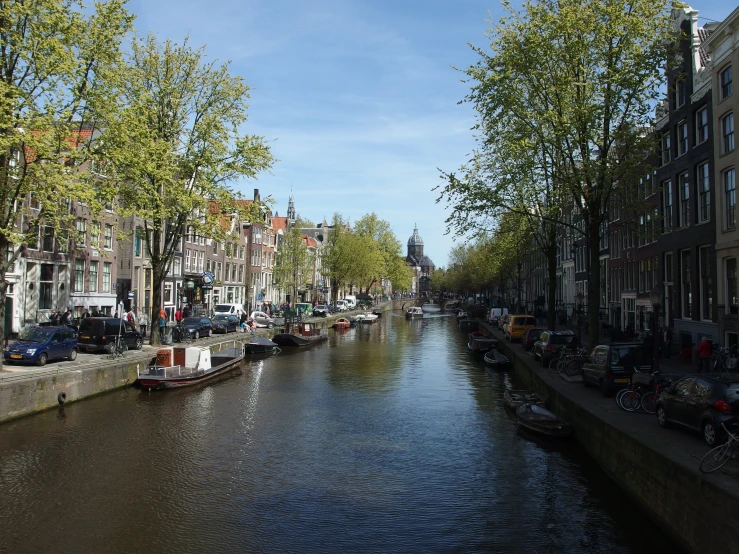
(163, 323)
(704, 355)
(178, 316)
(143, 322)
(667, 343)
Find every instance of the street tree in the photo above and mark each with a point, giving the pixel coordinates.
(51, 59)
(337, 256)
(583, 76)
(291, 262)
(175, 144)
(388, 245)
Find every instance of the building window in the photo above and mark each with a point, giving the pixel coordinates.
(94, 276)
(706, 283)
(167, 292)
(201, 258)
(704, 195)
(108, 237)
(701, 125)
(215, 247)
(95, 234)
(731, 286)
(684, 191)
(233, 272)
(726, 82)
(81, 232)
(682, 138)
(137, 242)
(729, 199)
(668, 267)
(177, 266)
(79, 275)
(680, 93)
(727, 133)
(241, 273)
(641, 276)
(686, 293)
(48, 242)
(228, 249)
(187, 259)
(665, 149)
(46, 289)
(147, 278)
(667, 206)
(107, 270)
(218, 272)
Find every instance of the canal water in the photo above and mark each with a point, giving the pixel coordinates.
(388, 438)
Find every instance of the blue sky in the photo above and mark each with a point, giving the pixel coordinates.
(358, 99)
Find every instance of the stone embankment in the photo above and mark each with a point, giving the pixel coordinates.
(657, 467)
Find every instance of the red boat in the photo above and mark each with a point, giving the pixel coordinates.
(342, 323)
(181, 367)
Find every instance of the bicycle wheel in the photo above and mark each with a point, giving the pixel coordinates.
(619, 396)
(716, 458)
(631, 401)
(649, 402)
(554, 364)
(573, 367)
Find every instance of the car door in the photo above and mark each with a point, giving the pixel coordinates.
(233, 322)
(260, 318)
(596, 365)
(70, 342)
(204, 326)
(56, 345)
(697, 401)
(676, 401)
(129, 333)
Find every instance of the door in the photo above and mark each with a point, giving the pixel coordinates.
(696, 403)
(8, 316)
(55, 350)
(131, 336)
(676, 403)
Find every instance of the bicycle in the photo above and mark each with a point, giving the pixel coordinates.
(569, 361)
(180, 334)
(725, 359)
(648, 401)
(717, 457)
(118, 348)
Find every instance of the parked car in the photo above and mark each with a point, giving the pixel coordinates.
(531, 336)
(341, 306)
(517, 325)
(225, 323)
(611, 366)
(502, 321)
(701, 403)
(198, 327)
(320, 310)
(229, 309)
(303, 308)
(38, 345)
(262, 320)
(551, 344)
(99, 334)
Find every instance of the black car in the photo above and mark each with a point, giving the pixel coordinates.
(611, 366)
(225, 323)
(551, 344)
(701, 403)
(198, 327)
(321, 310)
(99, 334)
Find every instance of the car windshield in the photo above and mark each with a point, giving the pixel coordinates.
(36, 334)
(191, 321)
(626, 355)
(223, 308)
(220, 318)
(320, 307)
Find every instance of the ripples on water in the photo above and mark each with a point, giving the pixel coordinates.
(389, 438)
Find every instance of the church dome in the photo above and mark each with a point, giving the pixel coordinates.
(415, 239)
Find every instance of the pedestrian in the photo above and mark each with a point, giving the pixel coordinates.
(186, 311)
(85, 314)
(131, 317)
(143, 322)
(704, 355)
(667, 342)
(242, 319)
(54, 318)
(67, 319)
(178, 316)
(162, 323)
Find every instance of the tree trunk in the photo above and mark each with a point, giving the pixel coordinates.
(3, 291)
(157, 277)
(593, 241)
(551, 257)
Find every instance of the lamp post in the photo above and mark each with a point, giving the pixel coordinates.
(655, 296)
(579, 297)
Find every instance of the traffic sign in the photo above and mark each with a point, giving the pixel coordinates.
(132, 294)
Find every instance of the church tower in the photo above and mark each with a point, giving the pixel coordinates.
(291, 208)
(415, 244)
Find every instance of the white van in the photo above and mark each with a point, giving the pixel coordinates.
(230, 309)
(351, 301)
(341, 305)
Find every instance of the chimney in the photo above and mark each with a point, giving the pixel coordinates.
(256, 195)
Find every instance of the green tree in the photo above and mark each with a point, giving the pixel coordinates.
(53, 53)
(175, 143)
(291, 262)
(337, 257)
(388, 245)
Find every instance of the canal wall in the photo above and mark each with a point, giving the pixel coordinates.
(697, 510)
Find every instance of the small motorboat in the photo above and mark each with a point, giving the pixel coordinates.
(467, 325)
(540, 420)
(300, 333)
(515, 397)
(461, 314)
(342, 323)
(175, 367)
(414, 312)
(366, 317)
(479, 343)
(261, 345)
(377, 312)
(495, 359)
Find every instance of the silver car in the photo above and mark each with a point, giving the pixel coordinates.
(262, 320)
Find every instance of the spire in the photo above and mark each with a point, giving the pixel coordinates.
(291, 207)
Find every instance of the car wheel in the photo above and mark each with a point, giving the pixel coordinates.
(139, 344)
(73, 354)
(662, 416)
(210, 333)
(604, 388)
(109, 348)
(42, 359)
(710, 433)
(270, 325)
(197, 335)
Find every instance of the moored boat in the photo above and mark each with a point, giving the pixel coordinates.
(366, 317)
(377, 312)
(299, 333)
(175, 367)
(342, 323)
(467, 325)
(261, 345)
(540, 420)
(479, 343)
(461, 314)
(495, 359)
(515, 397)
(431, 308)
(414, 312)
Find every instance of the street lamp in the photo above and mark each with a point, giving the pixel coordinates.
(579, 297)
(655, 296)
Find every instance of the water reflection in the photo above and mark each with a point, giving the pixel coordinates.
(389, 437)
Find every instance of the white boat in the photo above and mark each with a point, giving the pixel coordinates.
(414, 312)
(431, 308)
(367, 317)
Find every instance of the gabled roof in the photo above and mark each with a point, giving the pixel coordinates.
(279, 223)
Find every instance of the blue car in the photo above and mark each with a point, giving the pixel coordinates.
(38, 345)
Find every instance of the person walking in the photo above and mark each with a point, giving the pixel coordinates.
(178, 316)
(162, 323)
(704, 355)
(667, 343)
(143, 322)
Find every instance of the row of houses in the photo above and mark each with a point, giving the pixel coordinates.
(105, 265)
(679, 253)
